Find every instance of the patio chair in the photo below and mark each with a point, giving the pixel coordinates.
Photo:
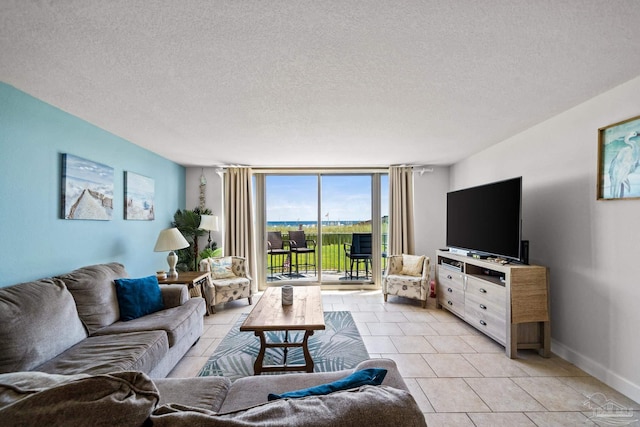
(407, 276)
(359, 252)
(299, 244)
(276, 251)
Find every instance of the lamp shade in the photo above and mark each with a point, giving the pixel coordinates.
(209, 222)
(169, 240)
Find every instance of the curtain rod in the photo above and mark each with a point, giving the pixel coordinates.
(327, 170)
(279, 169)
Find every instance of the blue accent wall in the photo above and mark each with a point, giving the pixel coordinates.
(35, 241)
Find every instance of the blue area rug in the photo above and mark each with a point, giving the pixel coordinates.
(338, 347)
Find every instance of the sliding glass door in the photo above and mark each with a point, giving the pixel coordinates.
(346, 204)
(292, 227)
(323, 227)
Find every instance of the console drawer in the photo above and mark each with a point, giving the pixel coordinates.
(450, 291)
(486, 305)
(451, 300)
(450, 278)
(487, 321)
(488, 292)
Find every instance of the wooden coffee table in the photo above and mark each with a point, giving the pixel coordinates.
(305, 314)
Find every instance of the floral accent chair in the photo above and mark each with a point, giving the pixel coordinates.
(407, 276)
(228, 280)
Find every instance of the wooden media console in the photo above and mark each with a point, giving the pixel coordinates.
(507, 302)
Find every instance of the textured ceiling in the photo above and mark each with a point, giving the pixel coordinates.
(317, 83)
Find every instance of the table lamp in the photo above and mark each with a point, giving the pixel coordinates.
(209, 223)
(169, 240)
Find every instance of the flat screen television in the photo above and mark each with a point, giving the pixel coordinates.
(486, 220)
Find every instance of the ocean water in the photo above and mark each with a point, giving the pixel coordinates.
(310, 223)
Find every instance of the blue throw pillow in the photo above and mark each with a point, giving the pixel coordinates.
(372, 376)
(138, 297)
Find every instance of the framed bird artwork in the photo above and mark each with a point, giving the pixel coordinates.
(619, 160)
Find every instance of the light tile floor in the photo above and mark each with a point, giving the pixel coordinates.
(458, 376)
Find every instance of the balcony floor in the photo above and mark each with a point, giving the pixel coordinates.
(327, 276)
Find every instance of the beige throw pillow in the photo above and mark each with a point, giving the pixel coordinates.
(221, 268)
(412, 265)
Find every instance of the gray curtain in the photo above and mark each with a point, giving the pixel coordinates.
(239, 232)
(401, 221)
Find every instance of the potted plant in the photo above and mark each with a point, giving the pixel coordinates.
(188, 222)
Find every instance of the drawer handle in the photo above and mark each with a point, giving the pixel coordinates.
(449, 290)
(449, 277)
(482, 306)
(483, 290)
(483, 323)
(449, 302)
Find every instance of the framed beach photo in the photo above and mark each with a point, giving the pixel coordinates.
(87, 189)
(139, 192)
(619, 160)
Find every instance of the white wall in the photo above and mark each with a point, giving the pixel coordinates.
(214, 192)
(430, 209)
(590, 246)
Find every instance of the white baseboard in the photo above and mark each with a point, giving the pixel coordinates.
(597, 370)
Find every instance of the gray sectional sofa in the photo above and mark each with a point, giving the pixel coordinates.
(133, 399)
(66, 359)
(70, 324)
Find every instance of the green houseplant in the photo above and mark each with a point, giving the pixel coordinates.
(188, 222)
(211, 252)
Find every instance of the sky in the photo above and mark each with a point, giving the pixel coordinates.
(344, 197)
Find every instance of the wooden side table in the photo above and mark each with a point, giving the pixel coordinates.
(194, 280)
